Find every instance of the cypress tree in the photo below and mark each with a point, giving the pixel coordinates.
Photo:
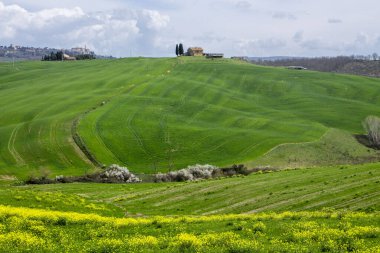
(180, 49)
(176, 49)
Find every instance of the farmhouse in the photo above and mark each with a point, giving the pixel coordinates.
(67, 57)
(195, 51)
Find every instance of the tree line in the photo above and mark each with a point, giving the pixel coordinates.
(358, 65)
(59, 56)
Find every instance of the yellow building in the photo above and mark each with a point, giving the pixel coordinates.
(195, 51)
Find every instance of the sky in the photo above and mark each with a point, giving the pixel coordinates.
(124, 28)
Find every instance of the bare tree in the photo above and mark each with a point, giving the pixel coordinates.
(372, 125)
(375, 56)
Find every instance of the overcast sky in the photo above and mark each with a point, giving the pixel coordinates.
(234, 27)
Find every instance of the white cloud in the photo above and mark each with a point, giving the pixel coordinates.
(112, 32)
(260, 46)
(334, 21)
(233, 27)
(284, 15)
(244, 5)
(298, 37)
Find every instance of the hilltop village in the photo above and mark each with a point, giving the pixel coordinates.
(17, 52)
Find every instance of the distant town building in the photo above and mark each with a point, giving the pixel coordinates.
(214, 55)
(195, 51)
(37, 53)
(240, 58)
(81, 50)
(67, 57)
(296, 67)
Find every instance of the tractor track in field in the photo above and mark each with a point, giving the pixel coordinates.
(54, 140)
(249, 148)
(309, 195)
(100, 140)
(11, 147)
(135, 133)
(196, 114)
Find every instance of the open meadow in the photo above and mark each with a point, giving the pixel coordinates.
(319, 191)
(332, 209)
(159, 114)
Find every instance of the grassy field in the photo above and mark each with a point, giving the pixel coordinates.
(354, 188)
(40, 100)
(334, 147)
(161, 114)
(25, 230)
(332, 209)
(224, 112)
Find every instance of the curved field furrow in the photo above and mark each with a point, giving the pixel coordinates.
(53, 143)
(309, 195)
(95, 132)
(135, 134)
(12, 149)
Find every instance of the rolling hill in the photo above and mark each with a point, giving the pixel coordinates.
(160, 114)
(224, 112)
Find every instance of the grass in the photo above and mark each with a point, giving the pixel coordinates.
(341, 187)
(40, 100)
(225, 112)
(334, 147)
(327, 209)
(163, 114)
(25, 230)
(159, 114)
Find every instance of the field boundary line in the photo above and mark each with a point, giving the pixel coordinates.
(79, 141)
(296, 143)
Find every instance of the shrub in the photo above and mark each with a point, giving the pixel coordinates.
(196, 172)
(43, 178)
(112, 174)
(193, 172)
(372, 126)
(116, 173)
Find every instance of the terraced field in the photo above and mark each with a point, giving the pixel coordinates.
(161, 114)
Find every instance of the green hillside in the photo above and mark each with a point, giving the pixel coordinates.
(224, 112)
(160, 114)
(40, 100)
